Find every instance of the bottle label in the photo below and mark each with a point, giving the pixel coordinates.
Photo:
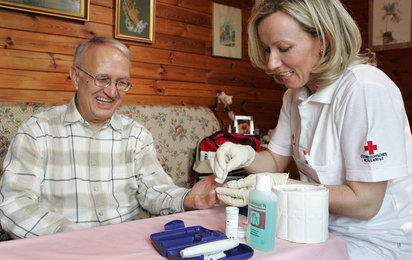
(257, 217)
(258, 213)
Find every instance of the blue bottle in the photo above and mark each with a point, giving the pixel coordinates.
(262, 210)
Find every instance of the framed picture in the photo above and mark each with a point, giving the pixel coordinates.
(75, 9)
(227, 31)
(390, 24)
(135, 20)
(244, 125)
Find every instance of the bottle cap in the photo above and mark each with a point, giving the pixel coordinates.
(263, 182)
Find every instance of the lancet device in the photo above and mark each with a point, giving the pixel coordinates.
(211, 251)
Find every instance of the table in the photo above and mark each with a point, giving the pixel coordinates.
(131, 240)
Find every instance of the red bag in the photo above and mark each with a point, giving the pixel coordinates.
(212, 143)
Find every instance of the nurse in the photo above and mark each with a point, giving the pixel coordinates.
(343, 122)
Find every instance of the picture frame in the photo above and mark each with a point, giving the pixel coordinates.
(244, 125)
(227, 31)
(390, 24)
(78, 10)
(135, 20)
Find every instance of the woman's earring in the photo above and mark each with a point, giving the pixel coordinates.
(321, 52)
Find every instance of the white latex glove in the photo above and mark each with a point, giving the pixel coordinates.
(237, 194)
(229, 157)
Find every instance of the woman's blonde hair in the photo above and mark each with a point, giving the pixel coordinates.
(327, 19)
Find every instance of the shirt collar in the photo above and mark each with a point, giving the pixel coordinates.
(324, 95)
(73, 116)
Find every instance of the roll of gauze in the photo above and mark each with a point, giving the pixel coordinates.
(303, 213)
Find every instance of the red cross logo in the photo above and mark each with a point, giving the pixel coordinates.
(371, 147)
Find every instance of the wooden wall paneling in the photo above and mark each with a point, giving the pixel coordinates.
(102, 14)
(244, 4)
(245, 19)
(179, 14)
(167, 100)
(179, 88)
(226, 78)
(201, 6)
(38, 42)
(158, 71)
(183, 29)
(106, 3)
(399, 69)
(150, 55)
(35, 80)
(26, 60)
(176, 43)
(18, 95)
(52, 25)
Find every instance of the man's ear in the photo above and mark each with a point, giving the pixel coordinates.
(74, 77)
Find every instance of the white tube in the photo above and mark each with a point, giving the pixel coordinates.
(209, 248)
(232, 222)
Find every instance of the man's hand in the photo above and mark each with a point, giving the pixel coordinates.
(202, 195)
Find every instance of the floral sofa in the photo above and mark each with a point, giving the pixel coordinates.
(176, 131)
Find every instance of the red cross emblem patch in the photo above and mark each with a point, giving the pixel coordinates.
(371, 147)
(371, 157)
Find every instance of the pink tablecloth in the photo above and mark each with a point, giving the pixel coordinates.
(131, 240)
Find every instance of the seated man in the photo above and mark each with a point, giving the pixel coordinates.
(83, 165)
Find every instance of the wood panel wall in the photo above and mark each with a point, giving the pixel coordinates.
(36, 52)
(178, 68)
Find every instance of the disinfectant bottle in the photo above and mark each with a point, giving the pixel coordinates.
(262, 209)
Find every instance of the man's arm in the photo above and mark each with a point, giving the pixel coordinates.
(21, 213)
(156, 192)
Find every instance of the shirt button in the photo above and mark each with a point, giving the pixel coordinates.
(95, 189)
(308, 125)
(93, 163)
(100, 214)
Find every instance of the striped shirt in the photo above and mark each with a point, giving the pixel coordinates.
(60, 175)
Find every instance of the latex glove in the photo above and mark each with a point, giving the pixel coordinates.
(229, 157)
(237, 193)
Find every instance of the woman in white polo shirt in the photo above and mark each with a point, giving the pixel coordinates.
(346, 114)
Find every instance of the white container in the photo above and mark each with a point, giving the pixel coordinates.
(232, 222)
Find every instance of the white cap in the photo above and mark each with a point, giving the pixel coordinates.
(241, 232)
(263, 182)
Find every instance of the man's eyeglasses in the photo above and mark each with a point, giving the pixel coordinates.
(104, 82)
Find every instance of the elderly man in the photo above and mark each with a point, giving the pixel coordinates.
(83, 165)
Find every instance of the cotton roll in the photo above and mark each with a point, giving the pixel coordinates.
(302, 213)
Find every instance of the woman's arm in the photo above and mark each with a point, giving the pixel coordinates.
(361, 200)
(267, 161)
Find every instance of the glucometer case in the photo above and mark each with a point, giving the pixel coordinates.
(177, 237)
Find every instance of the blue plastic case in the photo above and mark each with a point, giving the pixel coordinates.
(176, 237)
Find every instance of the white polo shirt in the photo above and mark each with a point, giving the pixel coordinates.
(355, 130)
